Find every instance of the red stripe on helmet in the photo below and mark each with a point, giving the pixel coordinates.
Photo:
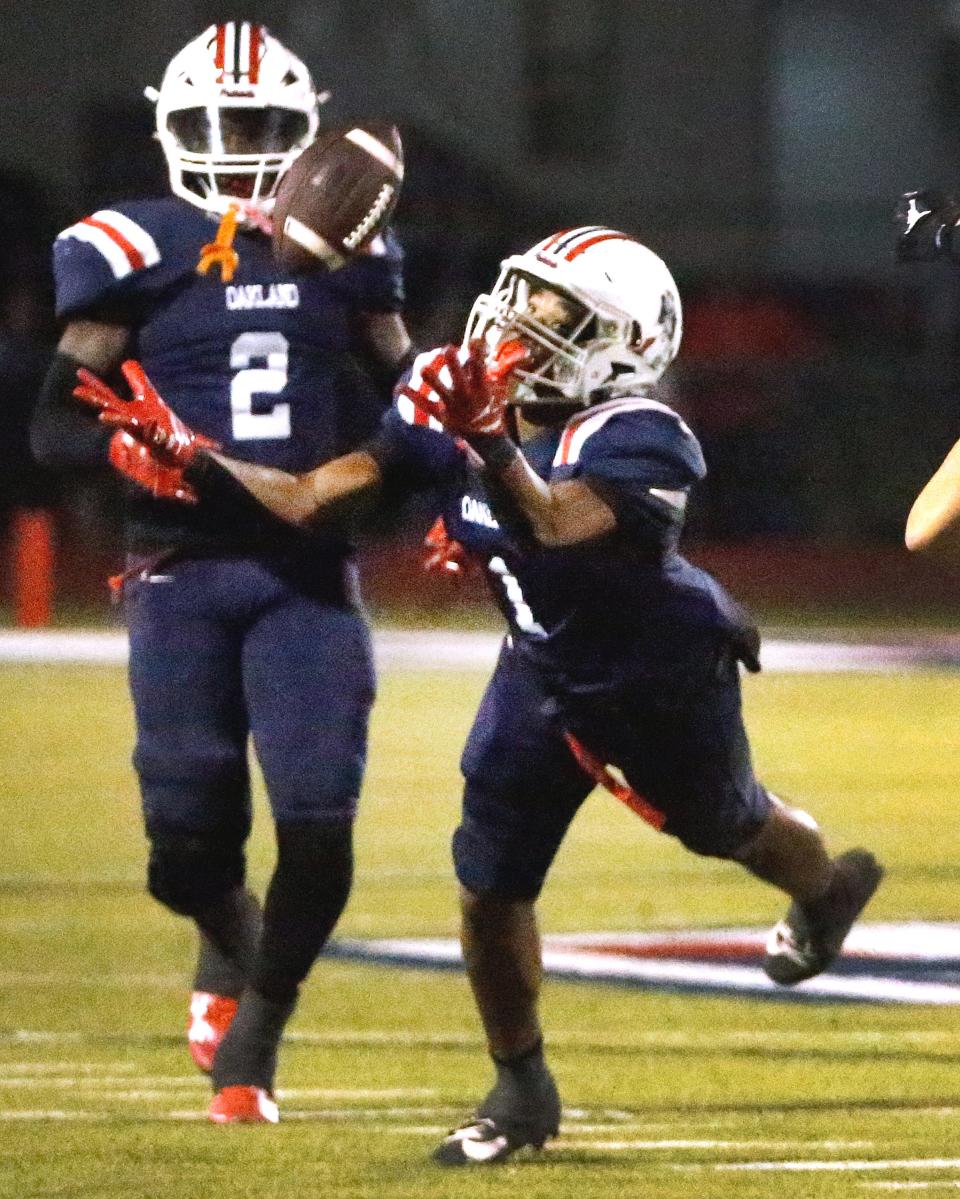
(552, 241)
(255, 40)
(219, 54)
(134, 257)
(592, 241)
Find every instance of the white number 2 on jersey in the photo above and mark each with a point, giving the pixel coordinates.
(274, 350)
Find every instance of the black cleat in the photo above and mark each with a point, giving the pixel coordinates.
(516, 1113)
(811, 936)
(478, 1142)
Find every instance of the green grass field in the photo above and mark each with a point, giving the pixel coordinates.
(664, 1095)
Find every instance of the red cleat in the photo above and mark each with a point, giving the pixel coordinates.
(244, 1105)
(210, 1017)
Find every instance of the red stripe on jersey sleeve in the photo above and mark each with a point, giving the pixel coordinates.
(565, 441)
(134, 257)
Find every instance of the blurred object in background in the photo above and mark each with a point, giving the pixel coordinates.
(456, 219)
(27, 493)
(742, 345)
(758, 145)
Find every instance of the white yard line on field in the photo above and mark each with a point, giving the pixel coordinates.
(721, 1146)
(38, 1070)
(930, 1184)
(90, 1085)
(452, 649)
(915, 1163)
(53, 978)
(53, 1115)
(830, 1040)
(160, 1082)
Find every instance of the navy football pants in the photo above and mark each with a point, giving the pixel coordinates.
(680, 743)
(224, 648)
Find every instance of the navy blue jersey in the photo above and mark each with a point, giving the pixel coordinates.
(619, 606)
(266, 365)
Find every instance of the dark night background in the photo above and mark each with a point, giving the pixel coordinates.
(757, 145)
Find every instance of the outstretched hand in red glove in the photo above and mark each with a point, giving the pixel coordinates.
(459, 389)
(146, 416)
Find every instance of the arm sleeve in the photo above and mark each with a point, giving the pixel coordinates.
(641, 463)
(99, 264)
(63, 433)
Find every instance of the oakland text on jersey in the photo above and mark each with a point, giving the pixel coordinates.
(255, 295)
(478, 512)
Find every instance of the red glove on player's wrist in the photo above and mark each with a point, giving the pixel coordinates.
(457, 388)
(136, 461)
(145, 416)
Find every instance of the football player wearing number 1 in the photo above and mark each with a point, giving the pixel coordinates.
(237, 624)
(621, 654)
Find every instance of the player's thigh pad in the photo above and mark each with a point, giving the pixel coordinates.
(186, 684)
(309, 683)
(686, 751)
(523, 787)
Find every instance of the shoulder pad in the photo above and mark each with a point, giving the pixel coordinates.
(101, 259)
(123, 244)
(586, 424)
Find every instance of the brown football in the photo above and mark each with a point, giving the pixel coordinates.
(338, 195)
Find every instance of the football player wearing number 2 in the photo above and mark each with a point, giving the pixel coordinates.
(621, 666)
(237, 625)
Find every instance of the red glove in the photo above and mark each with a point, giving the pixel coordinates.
(145, 416)
(458, 388)
(138, 462)
(446, 555)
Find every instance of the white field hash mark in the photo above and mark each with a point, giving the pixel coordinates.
(737, 1039)
(368, 1116)
(915, 1163)
(913, 1185)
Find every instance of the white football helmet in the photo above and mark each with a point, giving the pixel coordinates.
(598, 312)
(234, 110)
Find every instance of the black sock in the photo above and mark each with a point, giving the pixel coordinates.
(215, 973)
(524, 1097)
(247, 1055)
(527, 1064)
(308, 891)
(231, 926)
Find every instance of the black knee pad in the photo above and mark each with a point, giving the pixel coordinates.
(188, 873)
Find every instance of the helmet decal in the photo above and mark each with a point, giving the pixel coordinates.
(237, 53)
